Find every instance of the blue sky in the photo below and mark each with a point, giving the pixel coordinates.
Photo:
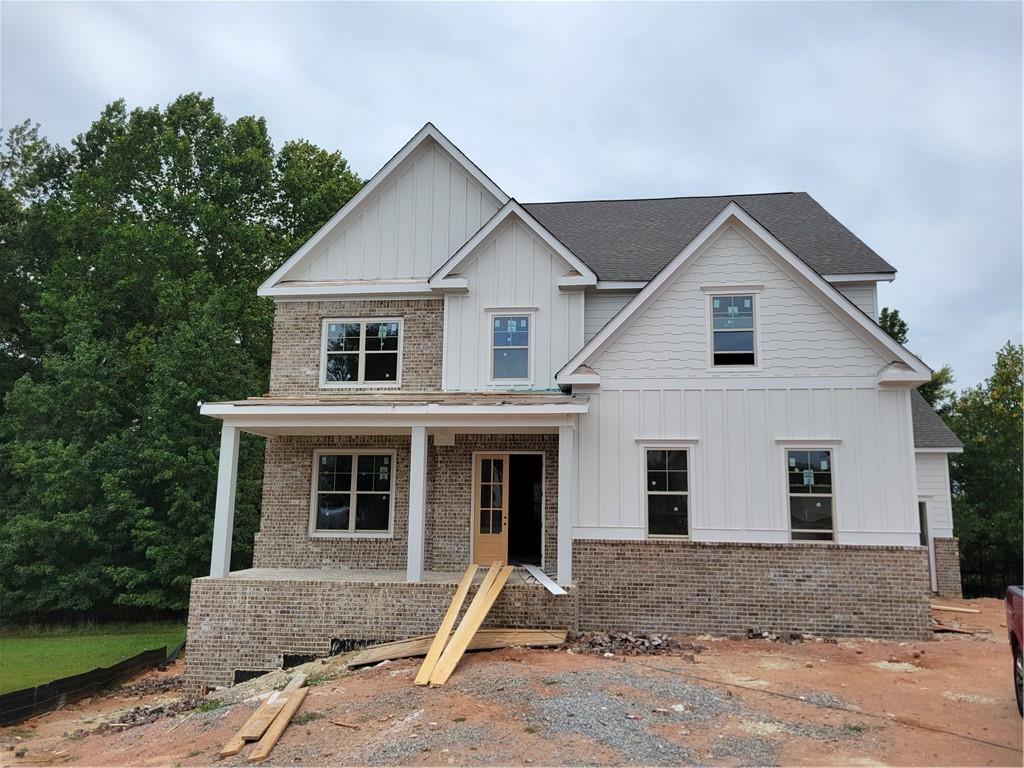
(904, 120)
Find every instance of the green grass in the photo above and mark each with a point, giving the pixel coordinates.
(34, 656)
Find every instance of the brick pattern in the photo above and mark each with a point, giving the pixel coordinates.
(241, 624)
(295, 356)
(947, 567)
(691, 587)
(449, 496)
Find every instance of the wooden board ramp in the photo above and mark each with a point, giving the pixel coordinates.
(441, 638)
(483, 640)
(475, 615)
(266, 743)
(265, 714)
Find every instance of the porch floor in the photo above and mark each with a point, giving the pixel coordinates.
(520, 576)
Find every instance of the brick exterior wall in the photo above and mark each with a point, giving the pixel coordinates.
(249, 624)
(947, 567)
(295, 357)
(688, 587)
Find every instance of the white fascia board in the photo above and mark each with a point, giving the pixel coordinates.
(939, 450)
(733, 212)
(224, 410)
(620, 285)
(312, 290)
(427, 133)
(580, 378)
(864, 277)
(513, 208)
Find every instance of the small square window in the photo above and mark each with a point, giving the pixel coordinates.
(356, 501)
(361, 352)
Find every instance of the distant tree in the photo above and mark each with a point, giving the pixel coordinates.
(893, 325)
(130, 266)
(939, 392)
(987, 477)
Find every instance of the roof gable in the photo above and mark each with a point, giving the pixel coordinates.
(382, 249)
(911, 369)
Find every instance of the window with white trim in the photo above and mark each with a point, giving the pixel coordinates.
(732, 330)
(811, 512)
(361, 351)
(353, 492)
(668, 492)
(510, 347)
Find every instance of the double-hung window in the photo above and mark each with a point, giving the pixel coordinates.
(361, 352)
(667, 492)
(732, 330)
(353, 492)
(510, 347)
(811, 511)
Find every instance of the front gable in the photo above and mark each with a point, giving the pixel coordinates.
(406, 221)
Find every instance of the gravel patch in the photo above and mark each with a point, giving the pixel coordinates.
(746, 751)
(821, 699)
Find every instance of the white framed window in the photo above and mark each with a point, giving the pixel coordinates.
(361, 352)
(811, 494)
(667, 491)
(353, 493)
(733, 330)
(511, 358)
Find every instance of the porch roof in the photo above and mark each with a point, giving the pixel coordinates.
(398, 411)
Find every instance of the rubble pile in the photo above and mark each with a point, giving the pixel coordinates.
(631, 643)
(150, 685)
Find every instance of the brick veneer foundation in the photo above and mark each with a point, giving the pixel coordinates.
(688, 587)
(947, 567)
(249, 624)
(295, 358)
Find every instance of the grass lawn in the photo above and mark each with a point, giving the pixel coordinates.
(32, 657)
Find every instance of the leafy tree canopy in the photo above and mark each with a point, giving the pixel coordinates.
(130, 263)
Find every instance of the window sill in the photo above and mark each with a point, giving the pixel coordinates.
(656, 537)
(351, 535)
(360, 384)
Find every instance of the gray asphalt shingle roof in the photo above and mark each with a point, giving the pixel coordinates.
(634, 239)
(930, 431)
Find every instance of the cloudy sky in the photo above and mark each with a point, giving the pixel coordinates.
(904, 120)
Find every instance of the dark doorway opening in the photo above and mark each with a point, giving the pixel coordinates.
(525, 505)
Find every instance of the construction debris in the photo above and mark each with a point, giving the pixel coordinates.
(268, 722)
(631, 644)
(442, 637)
(483, 640)
(954, 609)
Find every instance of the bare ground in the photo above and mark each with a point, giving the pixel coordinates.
(751, 702)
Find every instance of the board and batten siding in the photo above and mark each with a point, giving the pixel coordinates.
(797, 335)
(737, 464)
(511, 269)
(864, 295)
(408, 227)
(933, 489)
(600, 307)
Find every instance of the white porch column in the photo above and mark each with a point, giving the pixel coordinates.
(224, 517)
(566, 500)
(417, 503)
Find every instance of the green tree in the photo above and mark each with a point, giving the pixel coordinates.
(939, 390)
(987, 477)
(137, 254)
(893, 324)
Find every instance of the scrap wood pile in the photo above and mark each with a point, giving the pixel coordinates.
(268, 722)
(947, 624)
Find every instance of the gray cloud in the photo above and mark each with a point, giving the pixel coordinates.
(904, 120)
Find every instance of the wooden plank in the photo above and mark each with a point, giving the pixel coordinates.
(445, 630)
(954, 609)
(266, 744)
(544, 579)
(260, 720)
(475, 615)
(483, 640)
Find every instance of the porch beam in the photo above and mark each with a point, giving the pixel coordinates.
(566, 500)
(224, 511)
(417, 503)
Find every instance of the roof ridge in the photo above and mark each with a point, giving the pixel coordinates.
(653, 199)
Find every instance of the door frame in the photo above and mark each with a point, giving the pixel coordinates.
(475, 489)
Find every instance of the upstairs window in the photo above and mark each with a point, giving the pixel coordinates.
(811, 515)
(732, 330)
(510, 347)
(361, 352)
(668, 493)
(352, 493)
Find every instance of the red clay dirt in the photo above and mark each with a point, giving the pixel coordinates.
(752, 702)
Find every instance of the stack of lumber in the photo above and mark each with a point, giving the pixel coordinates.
(944, 625)
(483, 640)
(268, 722)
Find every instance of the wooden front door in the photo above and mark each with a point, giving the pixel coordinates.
(490, 509)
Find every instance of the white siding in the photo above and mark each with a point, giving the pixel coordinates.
(408, 228)
(737, 478)
(599, 308)
(933, 489)
(797, 335)
(864, 295)
(511, 268)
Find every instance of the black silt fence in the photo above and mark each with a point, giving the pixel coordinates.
(23, 704)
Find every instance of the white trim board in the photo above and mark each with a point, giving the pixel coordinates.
(734, 215)
(544, 579)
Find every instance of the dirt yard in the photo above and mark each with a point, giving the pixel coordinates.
(736, 703)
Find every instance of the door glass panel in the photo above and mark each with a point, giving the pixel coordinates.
(495, 521)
